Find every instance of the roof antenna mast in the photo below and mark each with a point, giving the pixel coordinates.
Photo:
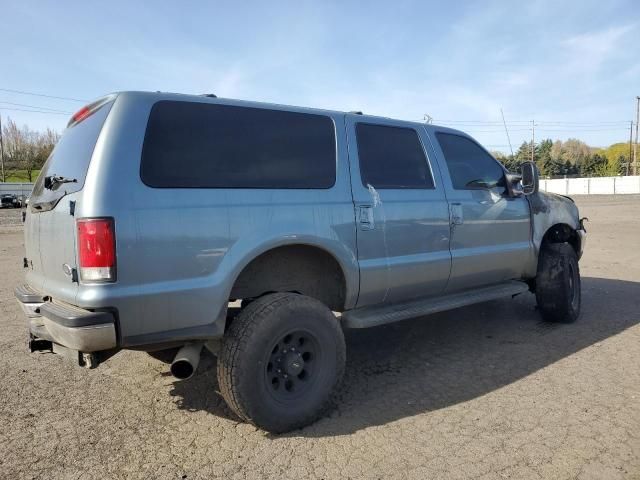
(507, 132)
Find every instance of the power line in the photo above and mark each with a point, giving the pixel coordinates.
(528, 121)
(39, 107)
(33, 111)
(22, 92)
(552, 129)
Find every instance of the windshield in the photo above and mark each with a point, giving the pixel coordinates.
(70, 159)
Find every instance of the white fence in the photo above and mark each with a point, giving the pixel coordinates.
(592, 186)
(16, 188)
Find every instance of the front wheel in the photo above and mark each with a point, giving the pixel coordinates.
(281, 360)
(558, 291)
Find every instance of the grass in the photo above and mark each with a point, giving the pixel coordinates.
(20, 176)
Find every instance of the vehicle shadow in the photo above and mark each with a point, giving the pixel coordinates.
(429, 363)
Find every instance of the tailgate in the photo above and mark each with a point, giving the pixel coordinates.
(50, 226)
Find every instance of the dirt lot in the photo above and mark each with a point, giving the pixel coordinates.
(481, 392)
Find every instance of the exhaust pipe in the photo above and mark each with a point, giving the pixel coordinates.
(186, 361)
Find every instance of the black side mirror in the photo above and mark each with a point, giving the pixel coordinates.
(530, 178)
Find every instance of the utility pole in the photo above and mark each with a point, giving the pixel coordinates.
(630, 147)
(635, 146)
(1, 150)
(533, 140)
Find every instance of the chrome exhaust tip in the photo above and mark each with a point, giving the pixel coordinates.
(186, 361)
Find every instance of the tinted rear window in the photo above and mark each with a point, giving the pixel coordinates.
(199, 145)
(71, 156)
(392, 157)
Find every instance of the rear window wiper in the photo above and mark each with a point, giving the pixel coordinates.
(51, 181)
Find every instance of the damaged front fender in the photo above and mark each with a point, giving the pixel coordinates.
(551, 213)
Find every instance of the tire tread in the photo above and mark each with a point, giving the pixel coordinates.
(236, 344)
(552, 294)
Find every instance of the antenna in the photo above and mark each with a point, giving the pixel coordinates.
(507, 131)
(428, 119)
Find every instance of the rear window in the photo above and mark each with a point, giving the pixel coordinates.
(200, 145)
(71, 156)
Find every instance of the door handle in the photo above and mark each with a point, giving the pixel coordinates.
(456, 214)
(365, 217)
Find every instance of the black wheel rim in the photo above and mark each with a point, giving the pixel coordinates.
(574, 287)
(292, 365)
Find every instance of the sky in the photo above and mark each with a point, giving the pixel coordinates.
(573, 67)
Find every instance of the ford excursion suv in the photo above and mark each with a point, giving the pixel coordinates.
(165, 221)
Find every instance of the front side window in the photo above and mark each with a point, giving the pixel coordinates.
(392, 157)
(202, 145)
(470, 167)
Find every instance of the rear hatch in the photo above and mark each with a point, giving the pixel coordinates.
(50, 226)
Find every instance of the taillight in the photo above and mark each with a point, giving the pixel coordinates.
(80, 115)
(89, 110)
(97, 249)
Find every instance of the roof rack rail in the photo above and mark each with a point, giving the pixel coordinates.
(210, 95)
(355, 112)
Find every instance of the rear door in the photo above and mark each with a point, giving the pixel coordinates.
(490, 230)
(401, 211)
(50, 228)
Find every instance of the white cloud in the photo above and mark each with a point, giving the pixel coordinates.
(592, 49)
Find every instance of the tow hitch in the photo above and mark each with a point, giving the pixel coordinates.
(82, 359)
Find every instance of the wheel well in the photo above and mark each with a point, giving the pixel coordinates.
(561, 233)
(303, 269)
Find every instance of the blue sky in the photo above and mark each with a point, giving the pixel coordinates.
(572, 66)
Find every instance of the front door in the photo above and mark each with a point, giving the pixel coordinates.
(490, 230)
(401, 211)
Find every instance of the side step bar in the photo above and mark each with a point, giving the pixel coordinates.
(380, 315)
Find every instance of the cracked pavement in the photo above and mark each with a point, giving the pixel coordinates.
(487, 391)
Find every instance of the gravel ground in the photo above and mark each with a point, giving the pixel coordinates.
(10, 217)
(481, 392)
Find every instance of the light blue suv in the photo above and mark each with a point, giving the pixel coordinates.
(165, 221)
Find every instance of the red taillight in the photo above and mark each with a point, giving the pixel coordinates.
(97, 249)
(80, 115)
(89, 110)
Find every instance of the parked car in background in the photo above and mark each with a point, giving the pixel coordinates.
(155, 211)
(9, 201)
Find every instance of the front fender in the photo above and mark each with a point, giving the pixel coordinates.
(549, 209)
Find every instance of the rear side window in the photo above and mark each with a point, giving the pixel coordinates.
(392, 157)
(470, 167)
(199, 145)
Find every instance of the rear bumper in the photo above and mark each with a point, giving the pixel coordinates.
(65, 324)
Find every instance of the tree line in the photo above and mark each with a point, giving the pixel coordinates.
(572, 157)
(25, 150)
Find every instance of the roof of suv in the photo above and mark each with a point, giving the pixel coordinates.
(209, 98)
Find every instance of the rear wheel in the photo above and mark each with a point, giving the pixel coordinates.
(558, 290)
(281, 359)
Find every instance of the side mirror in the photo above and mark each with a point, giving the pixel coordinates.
(530, 178)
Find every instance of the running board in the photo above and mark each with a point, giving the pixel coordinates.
(382, 314)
